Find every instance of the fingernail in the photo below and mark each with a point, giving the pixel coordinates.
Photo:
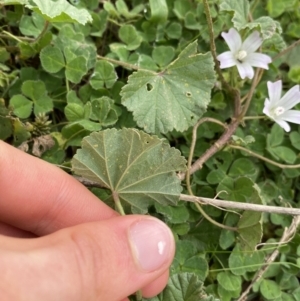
(152, 243)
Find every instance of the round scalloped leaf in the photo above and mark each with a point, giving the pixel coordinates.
(174, 98)
(138, 167)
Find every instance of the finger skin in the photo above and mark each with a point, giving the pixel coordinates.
(40, 198)
(92, 261)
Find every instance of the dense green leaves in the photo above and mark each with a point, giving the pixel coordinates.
(134, 171)
(174, 98)
(72, 68)
(60, 11)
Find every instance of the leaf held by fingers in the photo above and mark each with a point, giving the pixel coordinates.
(138, 167)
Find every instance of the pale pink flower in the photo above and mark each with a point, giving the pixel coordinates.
(242, 54)
(278, 108)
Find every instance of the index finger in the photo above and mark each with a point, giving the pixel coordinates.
(39, 197)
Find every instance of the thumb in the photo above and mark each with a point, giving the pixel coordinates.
(106, 260)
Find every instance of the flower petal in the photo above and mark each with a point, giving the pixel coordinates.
(258, 60)
(291, 98)
(245, 70)
(274, 92)
(226, 59)
(283, 124)
(291, 116)
(252, 43)
(233, 40)
(266, 109)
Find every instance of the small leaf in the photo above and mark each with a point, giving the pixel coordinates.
(104, 74)
(130, 37)
(163, 55)
(174, 98)
(76, 69)
(52, 59)
(43, 105)
(270, 289)
(295, 140)
(229, 281)
(21, 105)
(74, 112)
(183, 287)
(34, 89)
(240, 9)
(285, 154)
(159, 11)
(133, 164)
(60, 11)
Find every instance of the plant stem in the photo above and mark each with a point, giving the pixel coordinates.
(254, 117)
(286, 50)
(118, 203)
(213, 45)
(43, 31)
(287, 235)
(188, 180)
(123, 64)
(239, 205)
(283, 166)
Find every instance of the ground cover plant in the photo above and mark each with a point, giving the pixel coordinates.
(187, 110)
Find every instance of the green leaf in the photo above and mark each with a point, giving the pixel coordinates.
(52, 59)
(60, 11)
(163, 55)
(130, 37)
(183, 287)
(268, 26)
(104, 75)
(240, 9)
(250, 225)
(276, 136)
(239, 190)
(159, 11)
(285, 154)
(295, 140)
(22, 106)
(174, 98)
(243, 167)
(74, 112)
(277, 7)
(229, 281)
(187, 259)
(32, 25)
(132, 164)
(174, 30)
(181, 8)
(76, 69)
(36, 91)
(270, 289)
(174, 214)
(43, 105)
(241, 262)
(102, 110)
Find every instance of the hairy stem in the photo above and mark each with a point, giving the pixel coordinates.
(213, 45)
(118, 203)
(238, 205)
(287, 235)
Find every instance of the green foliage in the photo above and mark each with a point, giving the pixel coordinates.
(107, 75)
(174, 98)
(147, 159)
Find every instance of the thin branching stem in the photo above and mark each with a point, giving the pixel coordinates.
(123, 64)
(239, 205)
(253, 154)
(286, 237)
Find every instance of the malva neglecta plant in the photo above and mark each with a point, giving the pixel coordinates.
(187, 110)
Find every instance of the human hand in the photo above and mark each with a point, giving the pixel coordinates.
(60, 242)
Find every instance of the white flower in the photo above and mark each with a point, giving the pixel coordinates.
(278, 108)
(243, 54)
